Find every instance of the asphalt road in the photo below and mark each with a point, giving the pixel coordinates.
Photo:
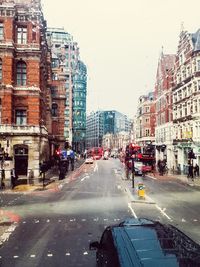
(55, 228)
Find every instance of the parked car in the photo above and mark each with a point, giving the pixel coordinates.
(143, 242)
(138, 172)
(89, 160)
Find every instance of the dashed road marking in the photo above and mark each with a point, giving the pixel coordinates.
(67, 254)
(50, 255)
(15, 257)
(32, 256)
(85, 253)
(132, 210)
(163, 212)
(183, 220)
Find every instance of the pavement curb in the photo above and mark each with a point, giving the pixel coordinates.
(134, 198)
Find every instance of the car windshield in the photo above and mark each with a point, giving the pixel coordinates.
(99, 126)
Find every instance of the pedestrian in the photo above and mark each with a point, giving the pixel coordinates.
(196, 170)
(2, 179)
(190, 171)
(13, 179)
(72, 158)
(62, 170)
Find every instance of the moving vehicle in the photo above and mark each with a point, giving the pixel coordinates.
(138, 172)
(106, 155)
(144, 158)
(89, 160)
(96, 153)
(145, 243)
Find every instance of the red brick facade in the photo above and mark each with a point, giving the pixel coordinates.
(25, 82)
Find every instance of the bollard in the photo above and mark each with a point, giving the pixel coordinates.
(141, 190)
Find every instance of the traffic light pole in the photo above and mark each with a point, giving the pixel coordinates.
(133, 174)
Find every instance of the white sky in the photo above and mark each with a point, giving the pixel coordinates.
(120, 42)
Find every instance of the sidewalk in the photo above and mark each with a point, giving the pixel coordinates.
(51, 179)
(176, 177)
(133, 193)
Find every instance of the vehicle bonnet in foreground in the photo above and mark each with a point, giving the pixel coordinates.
(146, 243)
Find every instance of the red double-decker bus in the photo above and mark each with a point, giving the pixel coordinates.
(144, 160)
(95, 152)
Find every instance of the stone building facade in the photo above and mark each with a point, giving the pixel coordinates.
(145, 121)
(186, 99)
(25, 114)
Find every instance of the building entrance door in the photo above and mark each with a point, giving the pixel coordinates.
(21, 159)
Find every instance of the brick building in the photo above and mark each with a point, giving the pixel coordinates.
(163, 103)
(25, 114)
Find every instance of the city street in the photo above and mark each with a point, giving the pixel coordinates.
(54, 228)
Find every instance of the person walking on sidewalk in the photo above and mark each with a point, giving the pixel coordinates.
(2, 179)
(196, 170)
(190, 171)
(72, 158)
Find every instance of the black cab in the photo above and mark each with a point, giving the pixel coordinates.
(145, 243)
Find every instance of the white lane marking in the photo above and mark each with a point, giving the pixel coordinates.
(83, 179)
(154, 178)
(105, 219)
(67, 254)
(85, 253)
(48, 220)
(96, 168)
(37, 221)
(32, 256)
(50, 255)
(24, 222)
(83, 220)
(163, 212)
(195, 220)
(96, 219)
(59, 221)
(15, 257)
(132, 210)
(0, 257)
(7, 234)
(183, 220)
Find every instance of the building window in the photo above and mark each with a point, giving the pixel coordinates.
(0, 111)
(1, 31)
(198, 65)
(21, 117)
(21, 73)
(54, 110)
(147, 132)
(1, 72)
(21, 35)
(34, 34)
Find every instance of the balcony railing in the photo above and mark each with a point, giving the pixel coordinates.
(6, 129)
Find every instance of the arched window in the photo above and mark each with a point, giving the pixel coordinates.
(1, 72)
(21, 73)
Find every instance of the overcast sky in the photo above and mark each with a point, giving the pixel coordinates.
(120, 42)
